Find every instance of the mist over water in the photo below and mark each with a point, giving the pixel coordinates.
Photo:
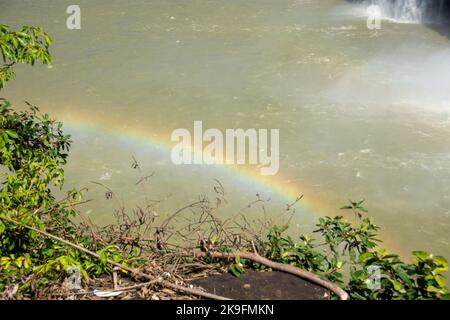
(409, 74)
(362, 113)
(411, 11)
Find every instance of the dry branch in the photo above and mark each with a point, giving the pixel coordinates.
(133, 271)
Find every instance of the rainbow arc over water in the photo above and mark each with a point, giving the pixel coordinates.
(288, 189)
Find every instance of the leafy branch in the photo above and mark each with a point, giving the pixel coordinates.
(27, 46)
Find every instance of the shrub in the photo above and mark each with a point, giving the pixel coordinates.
(373, 272)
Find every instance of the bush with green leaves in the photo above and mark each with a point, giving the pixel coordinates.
(28, 45)
(422, 279)
(33, 151)
(356, 246)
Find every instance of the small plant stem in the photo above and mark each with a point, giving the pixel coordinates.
(133, 271)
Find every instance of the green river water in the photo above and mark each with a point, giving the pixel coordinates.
(362, 113)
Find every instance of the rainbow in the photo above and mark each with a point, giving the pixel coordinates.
(312, 203)
(278, 184)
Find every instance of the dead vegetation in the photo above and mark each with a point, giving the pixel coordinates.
(164, 253)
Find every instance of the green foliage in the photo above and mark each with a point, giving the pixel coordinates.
(353, 240)
(304, 255)
(28, 45)
(356, 246)
(33, 151)
(61, 259)
(109, 252)
(33, 148)
(399, 280)
(237, 267)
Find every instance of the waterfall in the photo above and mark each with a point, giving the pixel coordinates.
(429, 11)
(406, 10)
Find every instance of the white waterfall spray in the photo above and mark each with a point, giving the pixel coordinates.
(410, 10)
(407, 10)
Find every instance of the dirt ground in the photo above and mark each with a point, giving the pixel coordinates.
(253, 285)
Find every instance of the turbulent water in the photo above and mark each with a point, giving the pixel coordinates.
(362, 113)
(408, 10)
(431, 11)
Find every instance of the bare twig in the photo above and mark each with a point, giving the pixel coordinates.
(133, 271)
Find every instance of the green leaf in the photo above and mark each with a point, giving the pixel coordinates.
(103, 256)
(397, 286)
(433, 289)
(440, 280)
(365, 256)
(422, 255)
(12, 134)
(402, 275)
(441, 260)
(234, 271)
